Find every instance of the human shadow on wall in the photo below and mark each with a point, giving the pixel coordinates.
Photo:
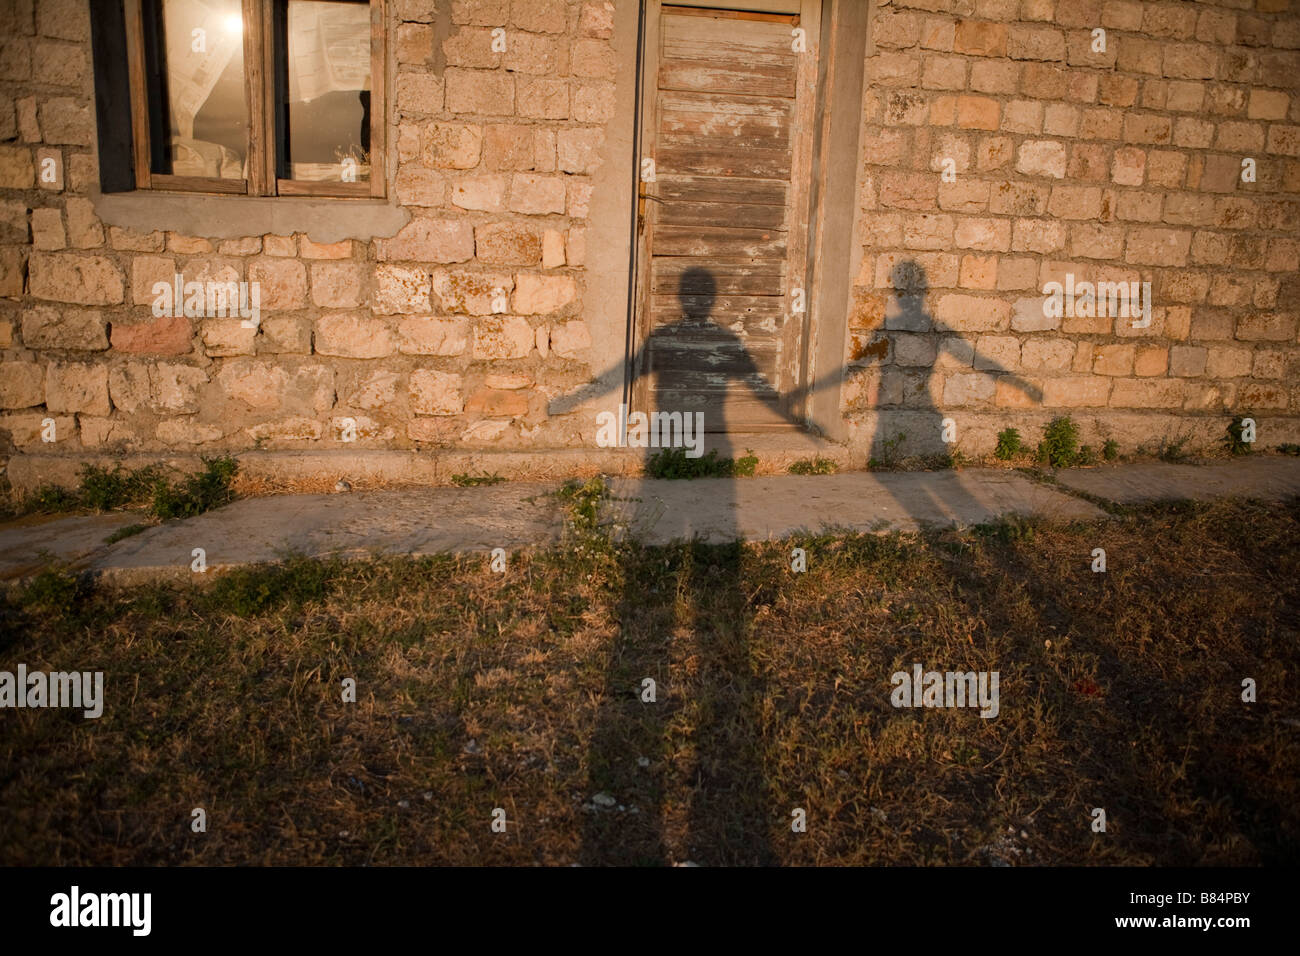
(685, 618)
(907, 401)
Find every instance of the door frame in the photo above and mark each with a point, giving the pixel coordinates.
(797, 330)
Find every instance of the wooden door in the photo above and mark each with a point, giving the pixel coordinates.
(723, 234)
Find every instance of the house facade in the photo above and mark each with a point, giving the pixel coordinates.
(419, 228)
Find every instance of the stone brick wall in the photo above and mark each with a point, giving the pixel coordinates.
(492, 154)
(1122, 165)
(1115, 165)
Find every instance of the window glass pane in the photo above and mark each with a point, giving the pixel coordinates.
(327, 92)
(203, 109)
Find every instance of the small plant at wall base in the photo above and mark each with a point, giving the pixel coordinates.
(104, 490)
(746, 466)
(813, 466)
(941, 462)
(1009, 445)
(50, 499)
(1234, 441)
(1173, 450)
(473, 481)
(197, 493)
(1288, 448)
(1110, 450)
(100, 489)
(1060, 444)
(889, 457)
(673, 463)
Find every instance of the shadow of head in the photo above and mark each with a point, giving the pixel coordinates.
(910, 287)
(697, 290)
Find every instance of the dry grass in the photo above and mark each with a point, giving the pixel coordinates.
(478, 690)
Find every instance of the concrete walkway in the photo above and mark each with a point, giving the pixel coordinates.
(476, 520)
(763, 508)
(1268, 478)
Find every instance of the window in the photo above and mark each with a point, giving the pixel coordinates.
(257, 97)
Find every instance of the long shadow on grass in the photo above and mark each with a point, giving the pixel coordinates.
(684, 622)
(688, 632)
(1152, 730)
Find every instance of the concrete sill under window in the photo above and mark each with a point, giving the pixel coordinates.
(323, 219)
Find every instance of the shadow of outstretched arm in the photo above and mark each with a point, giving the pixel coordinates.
(993, 368)
(986, 366)
(697, 294)
(611, 380)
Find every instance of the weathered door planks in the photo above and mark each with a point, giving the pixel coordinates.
(729, 105)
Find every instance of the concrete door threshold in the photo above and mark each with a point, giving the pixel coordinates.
(775, 450)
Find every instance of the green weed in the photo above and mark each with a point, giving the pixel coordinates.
(813, 466)
(246, 592)
(104, 489)
(1173, 450)
(474, 481)
(1233, 441)
(1060, 444)
(1009, 445)
(125, 532)
(197, 493)
(673, 463)
(889, 453)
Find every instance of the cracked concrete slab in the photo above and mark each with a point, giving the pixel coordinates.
(28, 544)
(1269, 478)
(422, 522)
(718, 509)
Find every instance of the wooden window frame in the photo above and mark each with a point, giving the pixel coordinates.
(261, 61)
